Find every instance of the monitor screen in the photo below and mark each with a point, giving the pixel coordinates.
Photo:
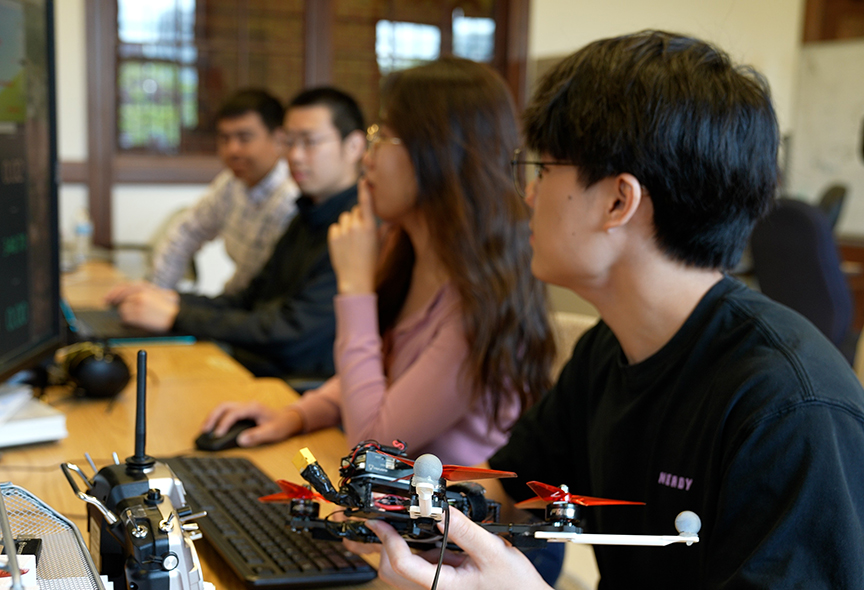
(30, 326)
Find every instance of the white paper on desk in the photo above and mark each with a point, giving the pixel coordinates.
(35, 422)
(12, 399)
(27, 566)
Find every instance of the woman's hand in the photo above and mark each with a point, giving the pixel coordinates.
(488, 562)
(273, 424)
(354, 246)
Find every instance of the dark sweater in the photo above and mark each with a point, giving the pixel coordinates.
(283, 322)
(748, 417)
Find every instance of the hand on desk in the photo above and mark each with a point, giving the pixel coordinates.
(145, 305)
(274, 424)
(488, 561)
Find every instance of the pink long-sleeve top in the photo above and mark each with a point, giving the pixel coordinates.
(411, 386)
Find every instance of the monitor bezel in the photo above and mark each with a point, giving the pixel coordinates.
(36, 352)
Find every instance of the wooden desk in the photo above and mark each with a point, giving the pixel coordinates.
(184, 384)
(88, 284)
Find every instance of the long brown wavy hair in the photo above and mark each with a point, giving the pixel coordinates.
(457, 120)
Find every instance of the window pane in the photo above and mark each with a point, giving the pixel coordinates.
(155, 21)
(473, 38)
(400, 45)
(178, 60)
(149, 110)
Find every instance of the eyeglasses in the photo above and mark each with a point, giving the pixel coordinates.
(373, 138)
(526, 171)
(307, 142)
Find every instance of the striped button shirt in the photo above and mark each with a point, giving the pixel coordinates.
(250, 220)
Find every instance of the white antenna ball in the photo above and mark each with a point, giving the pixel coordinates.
(688, 522)
(428, 468)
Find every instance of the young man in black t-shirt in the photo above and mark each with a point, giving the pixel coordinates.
(656, 156)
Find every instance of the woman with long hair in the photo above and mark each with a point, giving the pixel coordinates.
(442, 332)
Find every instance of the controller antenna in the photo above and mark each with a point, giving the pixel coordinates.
(140, 461)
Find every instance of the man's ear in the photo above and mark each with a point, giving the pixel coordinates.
(355, 145)
(623, 201)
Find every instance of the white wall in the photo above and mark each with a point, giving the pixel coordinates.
(762, 33)
(826, 146)
(71, 65)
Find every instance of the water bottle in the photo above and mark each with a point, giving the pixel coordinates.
(83, 236)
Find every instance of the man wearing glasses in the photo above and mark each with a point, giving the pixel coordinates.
(656, 155)
(282, 323)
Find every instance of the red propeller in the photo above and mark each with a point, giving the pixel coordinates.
(459, 473)
(291, 491)
(547, 494)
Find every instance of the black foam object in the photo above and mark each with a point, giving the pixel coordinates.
(96, 370)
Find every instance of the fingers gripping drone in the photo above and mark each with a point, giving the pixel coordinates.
(380, 482)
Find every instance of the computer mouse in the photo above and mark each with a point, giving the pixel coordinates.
(208, 442)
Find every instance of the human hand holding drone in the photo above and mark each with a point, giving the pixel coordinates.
(488, 562)
(379, 482)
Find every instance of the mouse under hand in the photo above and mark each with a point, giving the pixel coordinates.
(209, 442)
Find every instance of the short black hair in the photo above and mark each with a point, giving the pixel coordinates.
(347, 116)
(253, 100)
(698, 132)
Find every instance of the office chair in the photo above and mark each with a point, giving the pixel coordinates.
(796, 263)
(831, 203)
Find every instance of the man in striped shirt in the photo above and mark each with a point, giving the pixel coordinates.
(249, 205)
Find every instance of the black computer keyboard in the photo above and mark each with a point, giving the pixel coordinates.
(252, 536)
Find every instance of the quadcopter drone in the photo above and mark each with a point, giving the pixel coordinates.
(380, 482)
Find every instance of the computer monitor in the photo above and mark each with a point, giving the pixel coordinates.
(30, 328)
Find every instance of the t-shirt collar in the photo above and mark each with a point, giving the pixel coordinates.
(683, 340)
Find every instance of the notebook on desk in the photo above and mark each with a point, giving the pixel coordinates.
(105, 325)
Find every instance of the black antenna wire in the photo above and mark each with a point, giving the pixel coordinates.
(443, 547)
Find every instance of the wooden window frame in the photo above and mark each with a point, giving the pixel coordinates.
(105, 167)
